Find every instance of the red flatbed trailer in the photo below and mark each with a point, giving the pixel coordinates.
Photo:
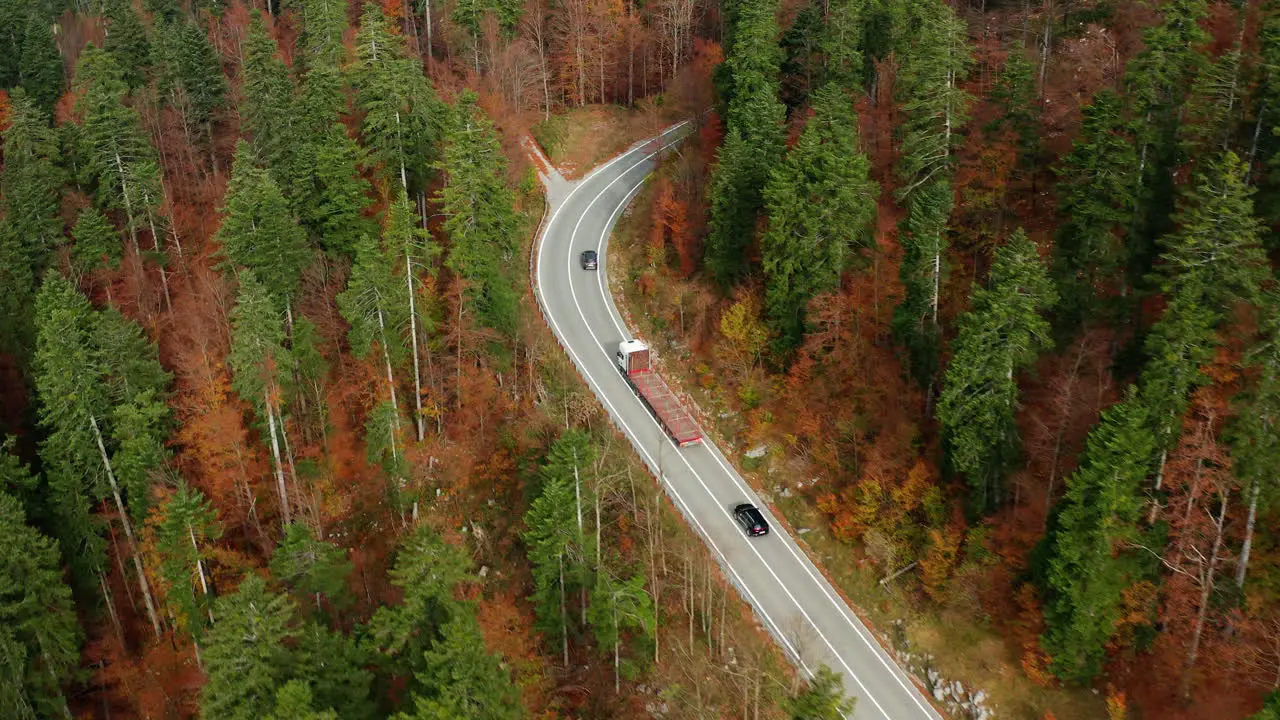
(633, 360)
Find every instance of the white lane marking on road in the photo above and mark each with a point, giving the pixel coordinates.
(725, 512)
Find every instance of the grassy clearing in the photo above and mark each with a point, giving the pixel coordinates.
(581, 138)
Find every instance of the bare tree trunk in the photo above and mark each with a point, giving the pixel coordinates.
(564, 617)
(1206, 589)
(413, 333)
(275, 452)
(1253, 145)
(1242, 565)
(577, 492)
(128, 203)
(128, 529)
(1062, 431)
(1155, 499)
(391, 383)
(1045, 46)
(111, 608)
(204, 585)
(426, 14)
(654, 524)
(617, 641)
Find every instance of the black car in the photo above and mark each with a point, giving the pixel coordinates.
(589, 260)
(749, 517)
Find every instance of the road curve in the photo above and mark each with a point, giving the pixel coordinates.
(805, 615)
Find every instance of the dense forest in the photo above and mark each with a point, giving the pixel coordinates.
(987, 289)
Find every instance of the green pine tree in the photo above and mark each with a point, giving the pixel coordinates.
(414, 245)
(40, 636)
(373, 304)
(401, 111)
(266, 110)
(1264, 149)
(480, 220)
(18, 481)
(186, 523)
(30, 204)
(1015, 95)
(329, 195)
(311, 567)
(261, 368)
(823, 698)
(1255, 436)
(66, 372)
(31, 181)
(323, 22)
(40, 67)
(753, 138)
(97, 243)
(821, 204)
(294, 702)
(1157, 82)
(17, 289)
(141, 429)
(334, 668)
(1212, 115)
(841, 43)
(557, 554)
(934, 63)
(923, 234)
(801, 67)
(1084, 577)
(90, 370)
(247, 658)
(127, 41)
(12, 34)
(1096, 202)
(1213, 261)
(163, 12)
(192, 77)
(428, 570)
(117, 155)
(259, 232)
(1002, 333)
(461, 679)
(622, 610)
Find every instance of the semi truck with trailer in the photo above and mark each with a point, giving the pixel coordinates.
(633, 359)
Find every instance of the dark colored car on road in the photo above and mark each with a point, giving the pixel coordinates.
(749, 517)
(589, 260)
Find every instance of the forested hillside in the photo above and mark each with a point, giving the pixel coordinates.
(286, 437)
(987, 290)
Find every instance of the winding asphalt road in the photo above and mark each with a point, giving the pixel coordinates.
(790, 596)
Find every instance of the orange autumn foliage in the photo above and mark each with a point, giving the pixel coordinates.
(506, 621)
(671, 225)
(163, 681)
(215, 450)
(394, 10)
(883, 497)
(1117, 707)
(937, 563)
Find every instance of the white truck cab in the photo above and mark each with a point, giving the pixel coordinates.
(632, 356)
